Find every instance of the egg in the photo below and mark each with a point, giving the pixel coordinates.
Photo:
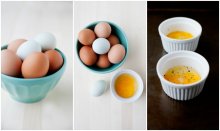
(103, 61)
(35, 65)
(27, 48)
(46, 40)
(113, 40)
(13, 45)
(98, 88)
(87, 55)
(101, 46)
(86, 37)
(103, 30)
(10, 63)
(116, 53)
(55, 60)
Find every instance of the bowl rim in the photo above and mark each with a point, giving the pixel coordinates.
(179, 40)
(182, 86)
(119, 64)
(137, 94)
(40, 78)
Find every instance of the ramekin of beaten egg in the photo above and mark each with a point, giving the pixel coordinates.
(126, 86)
(31, 68)
(102, 47)
(180, 33)
(182, 74)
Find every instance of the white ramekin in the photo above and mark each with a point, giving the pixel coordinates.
(139, 90)
(180, 24)
(185, 58)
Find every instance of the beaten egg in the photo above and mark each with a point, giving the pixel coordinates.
(182, 75)
(125, 85)
(181, 35)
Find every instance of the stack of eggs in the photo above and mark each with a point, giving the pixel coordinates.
(31, 58)
(100, 47)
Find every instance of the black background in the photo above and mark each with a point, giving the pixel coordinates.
(201, 112)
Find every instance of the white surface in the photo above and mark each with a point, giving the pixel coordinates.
(105, 112)
(25, 20)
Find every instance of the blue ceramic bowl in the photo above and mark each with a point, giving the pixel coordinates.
(31, 90)
(116, 30)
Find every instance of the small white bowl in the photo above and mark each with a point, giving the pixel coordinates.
(139, 90)
(180, 24)
(185, 58)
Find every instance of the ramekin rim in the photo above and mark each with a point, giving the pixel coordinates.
(181, 85)
(179, 40)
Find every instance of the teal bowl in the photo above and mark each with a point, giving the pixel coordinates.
(31, 90)
(116, 30)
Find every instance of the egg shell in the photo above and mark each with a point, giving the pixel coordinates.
(101, 46)
(98, 88)
(10, 63)
(87, 55)
(103, 30)
(35, 65)
(116, 53)
(55, 60)
(113, 40)
(46, 40)
(103, 61)
(86, 37)
(14, 45)
(27, 48)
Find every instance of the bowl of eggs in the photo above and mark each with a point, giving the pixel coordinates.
(31, 68)
(182, 74)
(102, 47)
(180, 33)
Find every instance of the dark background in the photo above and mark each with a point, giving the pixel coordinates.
(201, 112)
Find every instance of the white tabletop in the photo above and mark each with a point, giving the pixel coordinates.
(25, 20)
(105, 112)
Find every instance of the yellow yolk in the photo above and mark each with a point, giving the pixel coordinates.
(181, 35)
(125, 85)
(182, 75)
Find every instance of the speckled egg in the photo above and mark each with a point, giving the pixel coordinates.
(103, 30)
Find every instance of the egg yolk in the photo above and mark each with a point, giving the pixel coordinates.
(125, 85)
(182, 75)
(181, 35)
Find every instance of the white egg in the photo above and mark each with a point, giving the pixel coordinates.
(98, 88)
(101, 46)
(27, 48)
(46, 40)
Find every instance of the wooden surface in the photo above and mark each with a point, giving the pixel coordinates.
(105, 112)
(203, 111)
(25, 20)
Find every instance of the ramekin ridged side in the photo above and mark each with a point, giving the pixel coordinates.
(176, 45)
(183, 93)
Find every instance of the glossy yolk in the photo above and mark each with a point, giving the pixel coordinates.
(125, 85)
(182, 75)
(181, 35)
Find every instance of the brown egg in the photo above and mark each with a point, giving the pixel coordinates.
(103, 30)
(116, 53)
(10, 63)
(35, 65)
(13, 45)
(86, 37)
(113, 40)
(55, 60)
(87, 55)
(103, 61)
